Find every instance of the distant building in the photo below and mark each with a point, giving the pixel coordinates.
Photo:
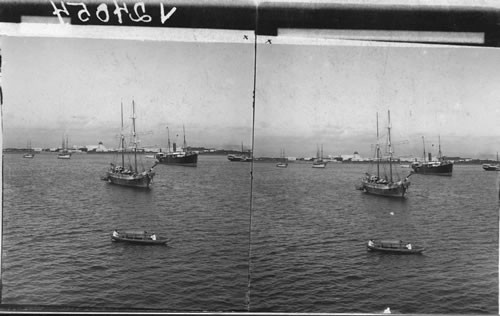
(99, 148)
(354, 157)
(407, 159)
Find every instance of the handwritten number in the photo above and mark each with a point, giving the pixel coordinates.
(58, 11)
(144, 17)
(82, 11)
(103, 8)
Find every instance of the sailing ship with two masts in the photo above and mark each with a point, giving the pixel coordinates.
(440, 167)
(64, 153)
(318, 161)
(384, 182)
(30, 153)
(182, 157)
(129, 174)
(283, 161)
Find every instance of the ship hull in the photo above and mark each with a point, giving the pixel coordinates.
(319, 165)
(239, 158)
(130, 180)
(491, 167)
(441, 169)
(188, 159)
(397, 189)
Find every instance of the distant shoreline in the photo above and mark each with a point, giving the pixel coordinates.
(256, 159)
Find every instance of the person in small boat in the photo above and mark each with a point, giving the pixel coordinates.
(153, 237)
(370, 243)
(408, 246)
(115, 233)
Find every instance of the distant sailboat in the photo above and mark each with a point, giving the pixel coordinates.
(490, 167)
(283, 163)
(129, 175)
(319, 162)
(30, 153)
(383, 183)
(64, 154)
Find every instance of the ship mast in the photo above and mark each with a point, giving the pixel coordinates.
(134, 135)
(122, 140)
(423, 142)
(168, 139)
(389, 142)
(439, 152)
(184, 132)
(378, 152)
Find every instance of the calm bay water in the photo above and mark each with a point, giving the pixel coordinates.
(308, 236)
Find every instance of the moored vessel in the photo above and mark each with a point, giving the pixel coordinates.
(491, 167)
(129, 175)
(181, 158)
(384, 182)
(394, 246)
(318, 161)
(440, 167)
(65, 153)
(283, 161)
(244, 157)
(137, 237)
(30, 153)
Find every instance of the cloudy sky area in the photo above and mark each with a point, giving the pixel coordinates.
(330, 95)
(55, 87)
(307, 94)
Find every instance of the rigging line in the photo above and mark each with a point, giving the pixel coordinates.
(252, 161)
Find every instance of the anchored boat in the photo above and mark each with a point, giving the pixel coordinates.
(283, 162)
(137, 237)
(64, 154)
(129, 175)
(384, 182)
(319, 162)
(490, 167)
(181, 158)
(30, 153)
(394, 246)
(440, 167)
(242, 157)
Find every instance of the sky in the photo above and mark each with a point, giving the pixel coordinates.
(308, 94)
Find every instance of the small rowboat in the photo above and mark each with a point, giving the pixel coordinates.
(137, 237)
(394, 246)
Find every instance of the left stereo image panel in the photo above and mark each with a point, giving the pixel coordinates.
(119, 189)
